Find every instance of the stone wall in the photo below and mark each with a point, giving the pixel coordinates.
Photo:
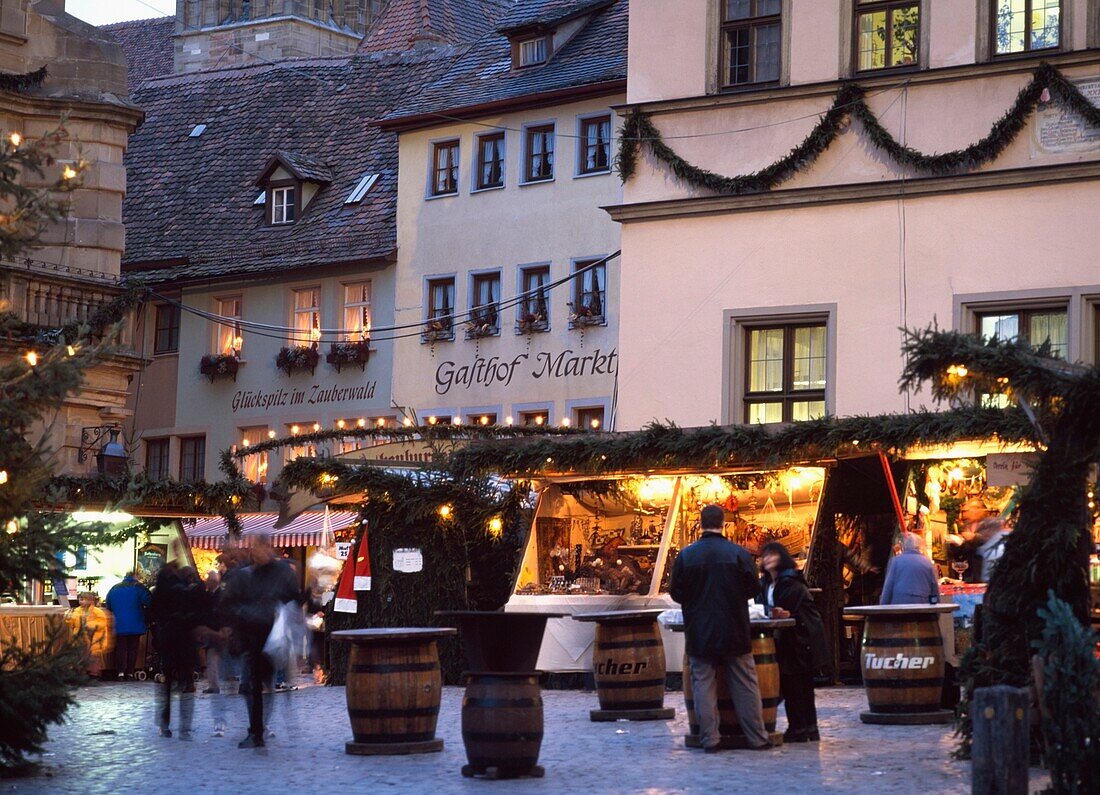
(253, 43)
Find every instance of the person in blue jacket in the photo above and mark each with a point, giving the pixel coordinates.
(128, 601)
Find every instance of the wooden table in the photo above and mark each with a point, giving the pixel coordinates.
(502, 720)
(902, 661)
(767, 677)
(393, 689)
(25, 626)
(628, 663)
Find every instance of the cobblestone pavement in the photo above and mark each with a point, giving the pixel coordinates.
(110, 744)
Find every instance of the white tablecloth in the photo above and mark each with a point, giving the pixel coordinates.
(567, 644)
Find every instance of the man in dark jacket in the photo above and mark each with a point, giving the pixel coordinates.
(252, 597)
(714, 579)
(175, 611)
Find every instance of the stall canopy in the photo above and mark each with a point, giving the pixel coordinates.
(304, 530)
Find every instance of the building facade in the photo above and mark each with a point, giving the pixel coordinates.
(74, 268)
(508, 274)
(263, 205)
(750, 305)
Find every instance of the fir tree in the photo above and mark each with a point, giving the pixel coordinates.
(39, 369)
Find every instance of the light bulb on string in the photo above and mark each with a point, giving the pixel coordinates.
(68, 172)
(407, 422)
(32, 358)
(361, 422)
(16, 139)
(3, 476)
(271, 434)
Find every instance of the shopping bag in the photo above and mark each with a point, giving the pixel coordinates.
(277, 645)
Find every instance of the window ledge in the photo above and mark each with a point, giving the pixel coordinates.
(433, 196)
(528, 183)
(601, 323)
(489, 189)
(164, 354)
(586, 174)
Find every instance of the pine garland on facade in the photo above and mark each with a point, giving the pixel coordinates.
(24, 82)
(850, 102)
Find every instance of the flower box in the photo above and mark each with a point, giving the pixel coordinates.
(299, 357)
(219, 365)
(342, 354)
(482, 323)
(437, 331)
(585, 316)
(532, 323)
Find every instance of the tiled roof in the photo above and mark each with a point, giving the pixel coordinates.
(484, 74)
(190, 200)
(528, 13)
(405, 23)
(303, 167)
(148, 47)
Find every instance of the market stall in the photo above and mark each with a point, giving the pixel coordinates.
(604, 544)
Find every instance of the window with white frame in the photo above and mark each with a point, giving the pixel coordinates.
(1035, 326)
(357, 311)
(533, 51)
(299, 448)
(590, 418)
(192, 458)
(589, 305)
(751, 31)
(307, 316)
(156, 459)
(1026, 25)
(484, 298)
(785, 372)
(439, 321)
(534, 419)
(887, 34)
(490, 161)
(284, 204)
(444, 168)
(229, 330)
(595, 145)
(539, 153)
(534, 304)
(254, 467)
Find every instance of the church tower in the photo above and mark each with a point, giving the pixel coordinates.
(214, 34)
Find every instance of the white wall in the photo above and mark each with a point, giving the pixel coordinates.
(519, 224)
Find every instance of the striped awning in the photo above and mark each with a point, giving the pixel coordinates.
(304, 531)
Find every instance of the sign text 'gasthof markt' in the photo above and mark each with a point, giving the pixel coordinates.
(316, 394)
(498, 371)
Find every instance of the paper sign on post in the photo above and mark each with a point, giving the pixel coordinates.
(1009, 469)
(343, 549)
(408, 560)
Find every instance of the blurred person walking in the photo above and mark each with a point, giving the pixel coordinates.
(96, 626)
(253, 597)
(176, 612)
(714, 579)
(213, 639)
(128, 600)
(802, 650)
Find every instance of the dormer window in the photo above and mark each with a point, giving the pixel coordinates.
(533, 51)
(284, 204)
(290, 181)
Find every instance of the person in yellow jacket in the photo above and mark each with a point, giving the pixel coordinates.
(96, 626)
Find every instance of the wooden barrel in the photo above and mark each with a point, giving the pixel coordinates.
(767, 676)
(393, 693)
(502, 723)
(629, 665)
(902, 663)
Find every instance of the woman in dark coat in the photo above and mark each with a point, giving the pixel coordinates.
(801, 650)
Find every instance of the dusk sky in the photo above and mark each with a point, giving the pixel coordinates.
(103, 12)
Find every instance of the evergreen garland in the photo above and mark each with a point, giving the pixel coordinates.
(665, 447)
(23, 82)
(850, 101)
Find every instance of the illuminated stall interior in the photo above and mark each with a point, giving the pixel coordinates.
(619, 536)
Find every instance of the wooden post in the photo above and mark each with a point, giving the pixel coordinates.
(999, 755)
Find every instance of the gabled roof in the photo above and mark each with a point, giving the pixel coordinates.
(407, 23)
(148, 47)
(482, 81)
(303, 167)
(545, 13)
(190, 199)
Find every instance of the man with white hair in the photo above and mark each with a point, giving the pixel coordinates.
(911, 577)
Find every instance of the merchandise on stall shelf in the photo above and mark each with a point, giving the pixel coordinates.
(612, 536)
